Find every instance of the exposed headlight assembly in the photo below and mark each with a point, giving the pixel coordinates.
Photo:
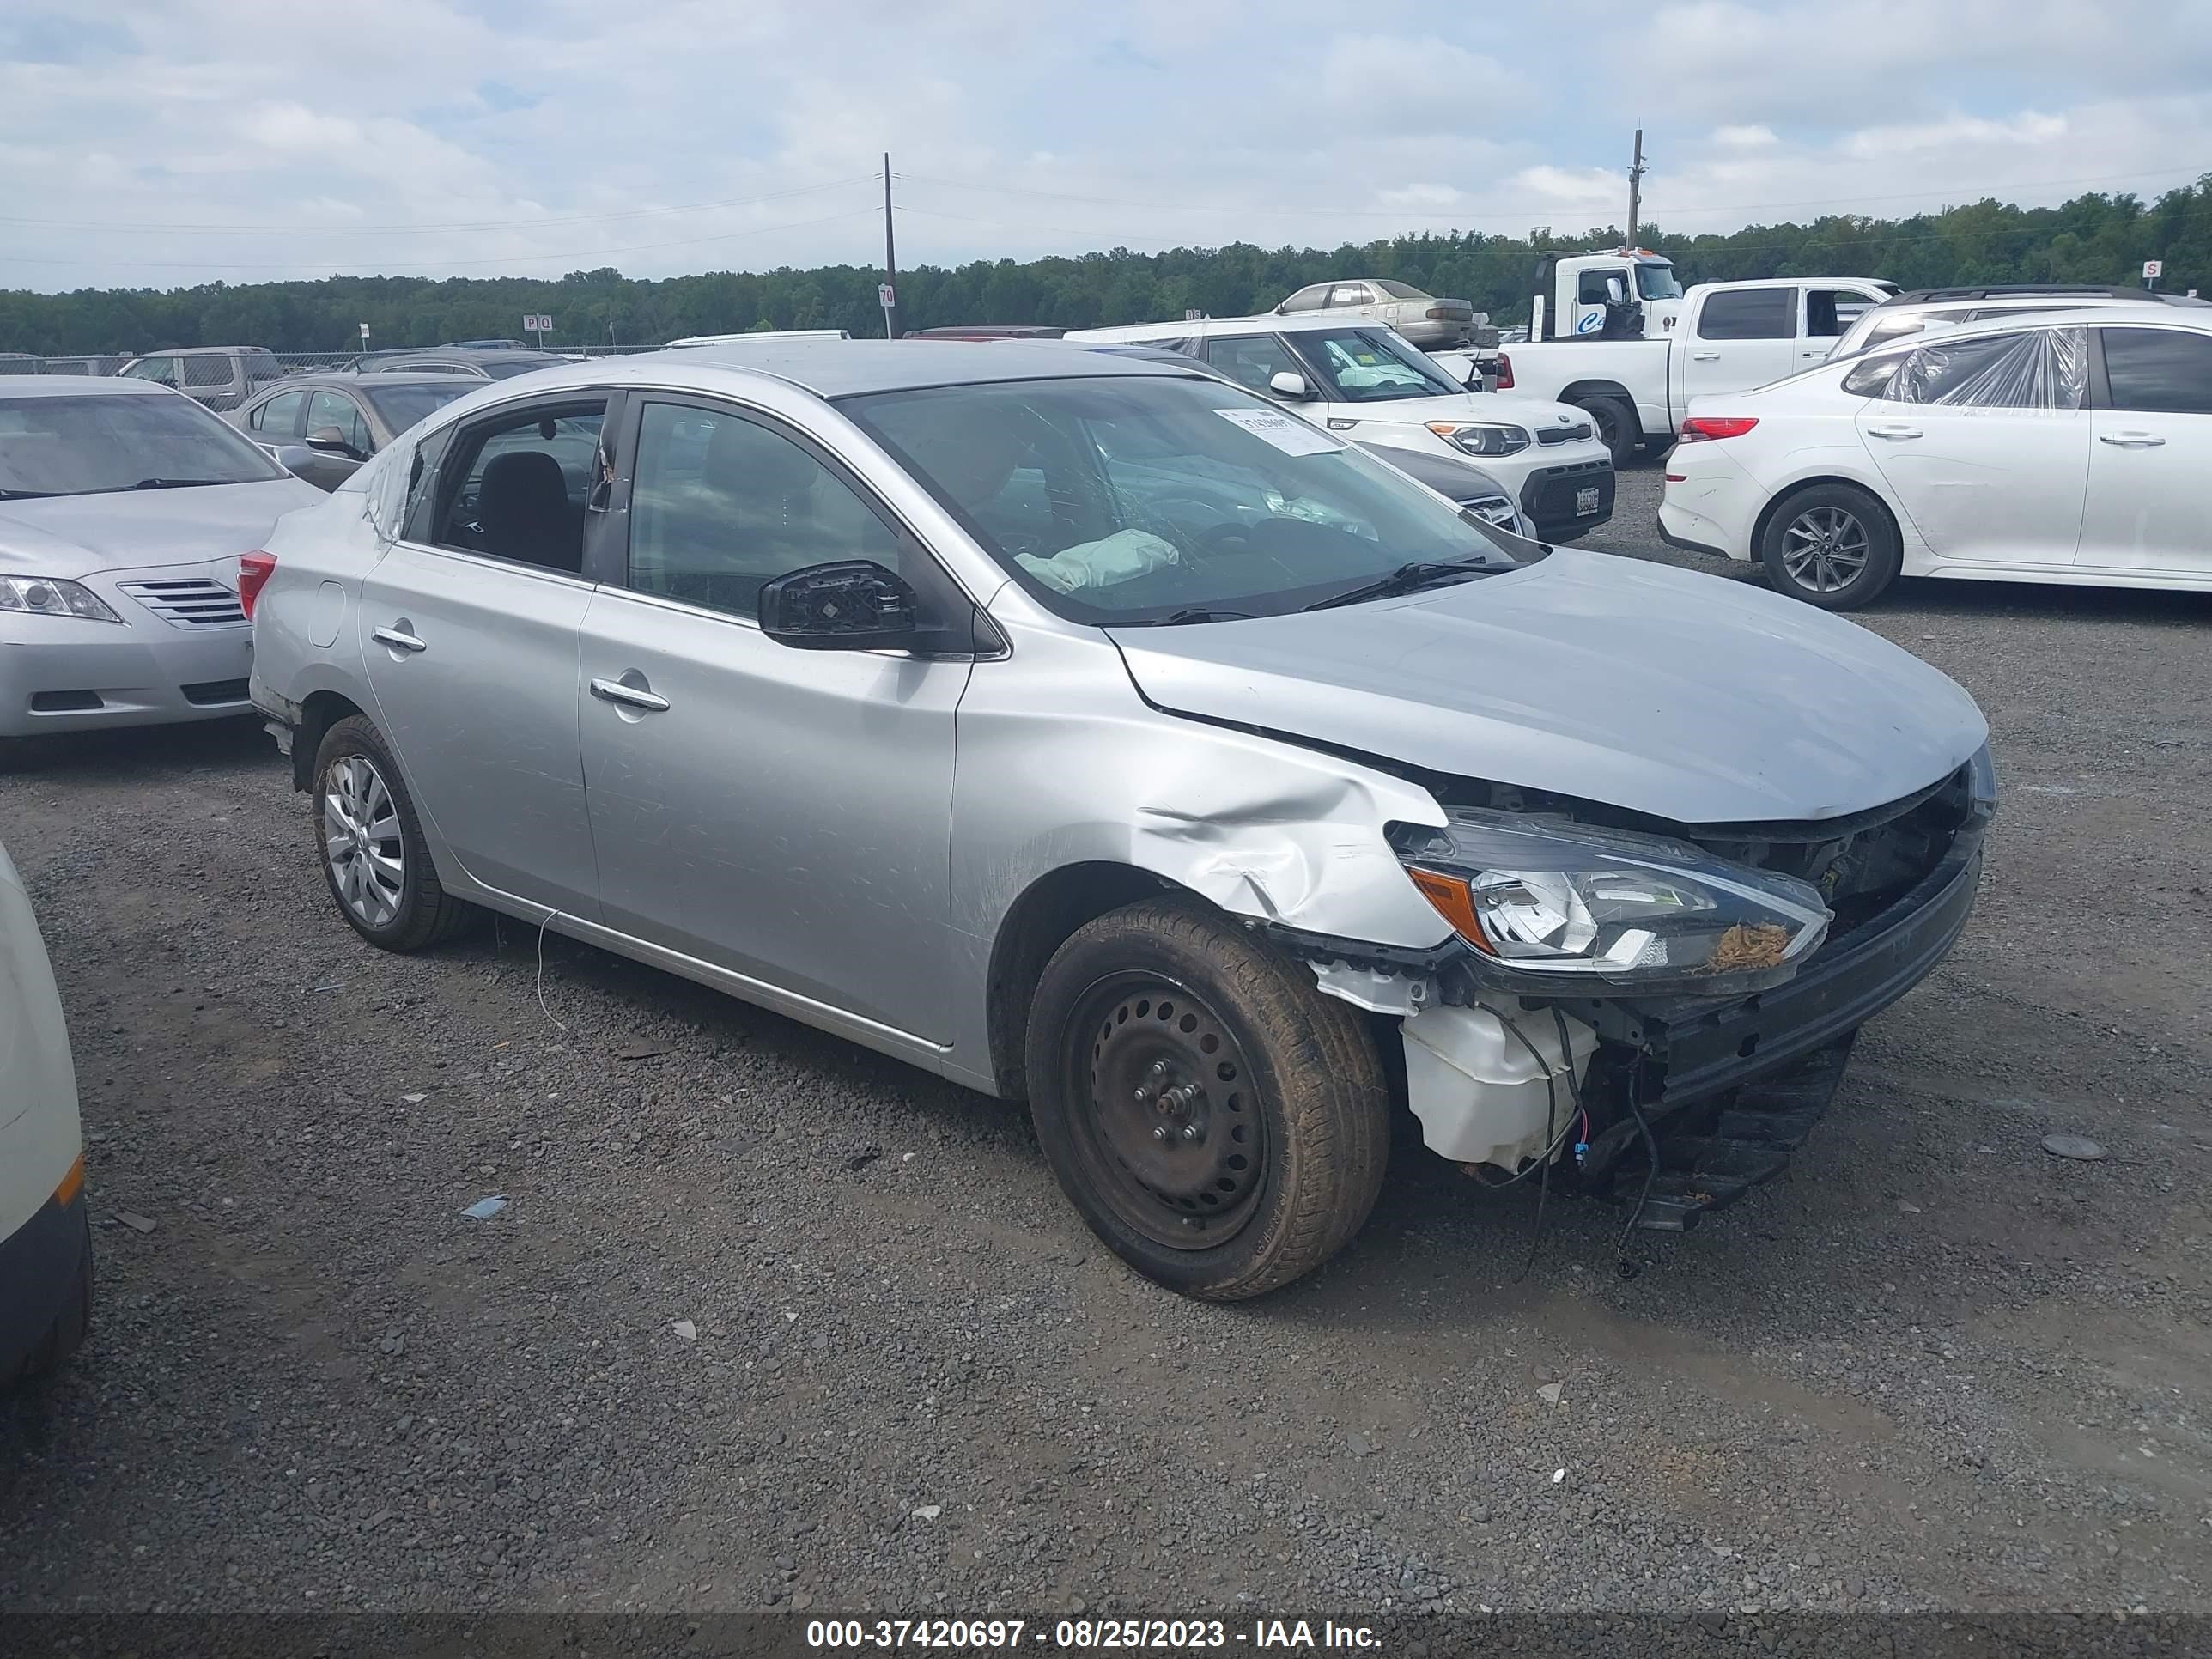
(1548, 904)
(1482, 437)
(48, 596)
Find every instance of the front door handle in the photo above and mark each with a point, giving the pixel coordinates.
(1704, 356)
(1895, 432)
(629, 696)
(398, 638)
(2130, 439)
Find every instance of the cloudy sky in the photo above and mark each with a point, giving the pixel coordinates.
(155, 144)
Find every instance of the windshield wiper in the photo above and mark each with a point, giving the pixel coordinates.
(1194, 615)
(176, 483)
(1405, 579)
(27, 495)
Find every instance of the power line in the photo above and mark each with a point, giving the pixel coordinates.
(570, 256)
(486, 224)
(1489, 212)
(1524, 254)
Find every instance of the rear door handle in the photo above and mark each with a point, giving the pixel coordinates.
(2130, 439)
(630, 696)
(1895, 432)
(1704, 356)
(398, 638)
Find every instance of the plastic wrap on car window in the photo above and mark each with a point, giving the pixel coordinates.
(2042, 368)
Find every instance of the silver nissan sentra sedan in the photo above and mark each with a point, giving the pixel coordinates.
(124, 509)
(1090, 732)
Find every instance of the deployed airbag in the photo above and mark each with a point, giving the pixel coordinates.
(1121, 557)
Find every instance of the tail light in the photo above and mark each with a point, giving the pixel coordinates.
(1700, 427)
(1504, 372)
(254, 570)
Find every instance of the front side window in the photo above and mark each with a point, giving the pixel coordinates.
(2159, 371)
(2041, 368)
(335, 410)
(1590, 288)
(720, 504)
(1308, 299)
(278, 416)
(1746, 313)
(1371, 366)
(1251, 360)
(520, 484)
(161, 370)
(1144, 498)
(95, 445)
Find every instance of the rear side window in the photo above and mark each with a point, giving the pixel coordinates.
(514, 486)
(2039, 368)
(1748, 313)
(280, 416)
(2159, 371)
(207, 371)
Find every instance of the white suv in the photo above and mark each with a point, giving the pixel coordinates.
(1367, 385)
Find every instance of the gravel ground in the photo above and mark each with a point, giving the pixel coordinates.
(769, 1321)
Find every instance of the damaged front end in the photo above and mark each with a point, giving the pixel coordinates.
(1658, 1012)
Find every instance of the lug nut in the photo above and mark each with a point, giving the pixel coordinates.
(1191, 1132)
(1160, 1132)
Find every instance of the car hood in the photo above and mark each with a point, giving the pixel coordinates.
(1679, 695)
(1531, 412)
(73, 536)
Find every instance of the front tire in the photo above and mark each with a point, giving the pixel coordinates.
(1831, 545)
(374, 858)
(1220, 1124)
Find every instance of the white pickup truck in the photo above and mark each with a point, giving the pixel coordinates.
(1727, 336)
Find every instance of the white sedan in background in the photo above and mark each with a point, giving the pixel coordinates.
(2069, 446)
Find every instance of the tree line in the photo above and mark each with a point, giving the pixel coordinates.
(2095, 238)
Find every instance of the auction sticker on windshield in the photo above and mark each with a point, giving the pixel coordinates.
(1291, 437)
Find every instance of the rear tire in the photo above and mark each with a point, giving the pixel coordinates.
(1618, 428)
(1833, 545)
(1262, 1149)
(374, 858)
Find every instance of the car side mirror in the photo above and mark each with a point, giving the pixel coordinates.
(330, 438)
(853, 605)
(1283, 384)
(294, 458)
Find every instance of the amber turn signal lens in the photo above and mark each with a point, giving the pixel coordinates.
(1451, 900)
(72, 1183)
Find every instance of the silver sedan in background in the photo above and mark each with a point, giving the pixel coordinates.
(125, 508)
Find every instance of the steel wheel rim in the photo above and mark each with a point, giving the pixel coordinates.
(361, 842)
(1165, 1119)
(1825, 548)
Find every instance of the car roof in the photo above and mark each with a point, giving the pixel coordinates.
(338, 380)
(202, 351)
(80, 385)
(2037, 291)
(2105, 316)
(840, 368)
(1297, 322)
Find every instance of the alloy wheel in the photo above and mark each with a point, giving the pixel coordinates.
(362, 840)
(1825, 549)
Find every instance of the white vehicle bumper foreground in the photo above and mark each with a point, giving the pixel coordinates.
(182, 651)
(1711, 504)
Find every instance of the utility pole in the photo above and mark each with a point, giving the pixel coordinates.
(1636, 188)
(890, 293)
